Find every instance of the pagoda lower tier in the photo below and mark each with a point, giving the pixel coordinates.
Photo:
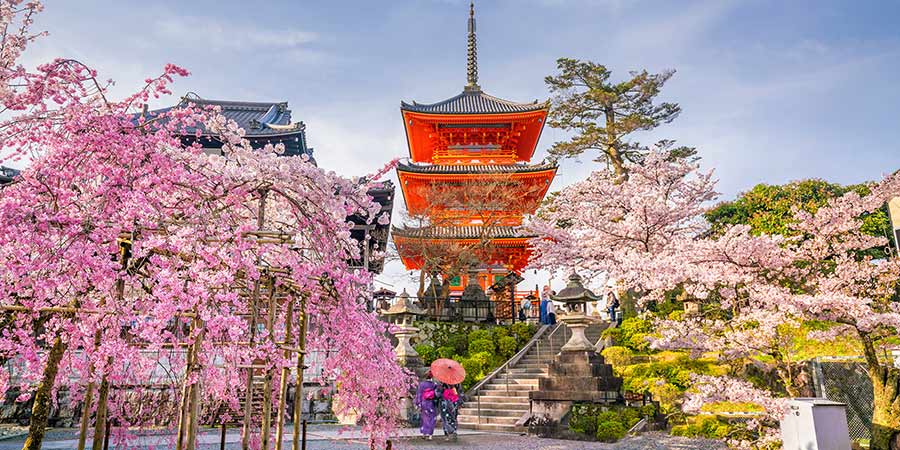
(474, 193)
(505, 246)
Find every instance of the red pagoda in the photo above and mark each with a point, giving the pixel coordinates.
(470, 139)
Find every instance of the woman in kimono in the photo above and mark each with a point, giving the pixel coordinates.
(426, 400)
(450, 401)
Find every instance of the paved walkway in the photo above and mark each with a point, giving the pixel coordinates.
(322, 437)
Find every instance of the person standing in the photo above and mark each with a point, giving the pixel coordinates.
(612, 302)
(525, 308)
(450, 401)
(551, 312)
(426, 400)
(545, 298)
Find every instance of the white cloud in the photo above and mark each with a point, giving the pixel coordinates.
(217, 35)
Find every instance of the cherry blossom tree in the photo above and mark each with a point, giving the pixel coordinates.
(756, 291)
(115, 237)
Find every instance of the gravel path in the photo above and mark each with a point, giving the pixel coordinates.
(63, 439)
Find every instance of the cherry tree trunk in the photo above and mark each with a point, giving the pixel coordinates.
(40, 411)
(886, 415)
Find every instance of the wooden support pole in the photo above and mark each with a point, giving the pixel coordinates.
(303, 447)
(106, 437)
(188, 421)
(222, 441)
(85, 415)
(100, 420)
(266, 428)
(248, 404)
(285, 373)
(298, 391)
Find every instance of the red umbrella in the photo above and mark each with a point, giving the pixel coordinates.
(448, 371)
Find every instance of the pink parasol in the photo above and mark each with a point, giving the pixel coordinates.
(448, 371)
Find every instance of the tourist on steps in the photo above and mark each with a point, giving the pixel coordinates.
(551, 312)
(427, 402)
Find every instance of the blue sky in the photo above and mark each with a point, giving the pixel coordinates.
(771, 91)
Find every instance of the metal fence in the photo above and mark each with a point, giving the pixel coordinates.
(846, 381)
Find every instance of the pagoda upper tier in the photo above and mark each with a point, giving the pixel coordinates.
(473, 127)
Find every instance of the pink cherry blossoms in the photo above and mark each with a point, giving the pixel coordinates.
(120, 248)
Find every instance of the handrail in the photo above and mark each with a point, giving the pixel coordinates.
(534, 339)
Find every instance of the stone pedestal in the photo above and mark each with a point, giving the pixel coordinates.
(404, 351)
(577, 322)
(575, 376)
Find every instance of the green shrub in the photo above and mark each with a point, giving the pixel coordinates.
(459, 342)
(446, 352)
(477, 335)
(618, 356)
(610, 431)
(484, 359)
(523, 330)
(481, 345)
(634, 332)
(583, 420)
(704, 426)
(507, 346)
(498, 333)
(648, 410)
(427, 352)
(629, 417)
(607, 416)
(474, 372)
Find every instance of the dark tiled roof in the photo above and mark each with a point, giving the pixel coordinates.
(474, 168)
(7, 174)
(263, 123)
(473, 101)
(460, 232)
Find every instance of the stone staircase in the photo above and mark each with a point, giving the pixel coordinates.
(501, 403)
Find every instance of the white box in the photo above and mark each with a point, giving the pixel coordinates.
(815, 424)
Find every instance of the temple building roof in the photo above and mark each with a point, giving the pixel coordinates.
(7, 174)
(474, 168)
(263, 123)
(474, 101)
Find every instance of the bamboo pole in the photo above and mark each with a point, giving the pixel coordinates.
(186, 393)
(298, 391)
(285, 373)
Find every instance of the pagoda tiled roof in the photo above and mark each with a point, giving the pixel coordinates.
(460, 232)
(474, 101)
(474, 168)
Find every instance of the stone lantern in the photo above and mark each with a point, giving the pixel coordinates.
(473, 299)
(382, 299)
(402, 313)
(576, 297)
(578, 373)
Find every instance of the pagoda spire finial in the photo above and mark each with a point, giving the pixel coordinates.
(472, 55)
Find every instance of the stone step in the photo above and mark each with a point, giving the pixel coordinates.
(521, 370)
(520, 376)
(492, 427)
(492, 412)
(518, 390)
(502, 381)
(472, 405)
(498, 399)
(489, 420)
